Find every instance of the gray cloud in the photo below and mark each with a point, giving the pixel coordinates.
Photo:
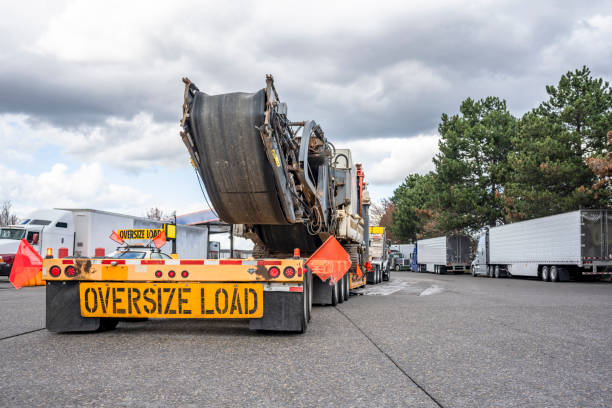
(388, 74)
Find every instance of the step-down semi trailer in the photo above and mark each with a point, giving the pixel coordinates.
(282, 184)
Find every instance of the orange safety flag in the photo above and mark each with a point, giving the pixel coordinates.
(359, 273)
(160, 239)
(115, 237)
(368, 266)
(329, 261)
(26, 265)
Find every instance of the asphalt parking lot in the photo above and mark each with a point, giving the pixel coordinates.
(420, 340)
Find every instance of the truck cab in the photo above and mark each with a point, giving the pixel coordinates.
(42, 229)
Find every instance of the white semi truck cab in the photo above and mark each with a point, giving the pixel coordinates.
(42, 229)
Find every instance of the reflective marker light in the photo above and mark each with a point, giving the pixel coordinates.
(70, 271)
(274, 272)
(55, 271)
(171, 274)
(289, 272)
(158, 274)
(300, 272)
(184, 274)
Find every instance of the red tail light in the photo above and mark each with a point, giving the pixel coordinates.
(171, 274)
(71, 271)
(184, 274)
(158, 274)
(300, 272)
(289, 272)
(274, 272)
(55, 271)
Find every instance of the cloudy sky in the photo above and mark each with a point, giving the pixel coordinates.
(91, 92)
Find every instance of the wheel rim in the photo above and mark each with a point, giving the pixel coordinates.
(553, 274)
(545, 273)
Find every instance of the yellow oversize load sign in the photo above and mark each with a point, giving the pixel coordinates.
(171, 300)
(138, 233)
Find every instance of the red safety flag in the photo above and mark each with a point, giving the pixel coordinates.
(160, 239)
(115, 237)
(26, 265)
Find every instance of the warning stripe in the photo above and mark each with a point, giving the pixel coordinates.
(251, 262)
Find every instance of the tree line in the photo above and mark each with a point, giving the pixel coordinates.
(493, 168)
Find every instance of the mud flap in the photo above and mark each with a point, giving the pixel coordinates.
(370, 277)
(283, 311)
(63, 312)
(321, 292)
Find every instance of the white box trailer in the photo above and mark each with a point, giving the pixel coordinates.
(80, 232)
(557, 247)
(451, 253)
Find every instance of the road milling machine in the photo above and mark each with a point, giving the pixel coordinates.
(281, 183)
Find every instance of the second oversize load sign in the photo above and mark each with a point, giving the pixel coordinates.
(171, 300)
(138, 233)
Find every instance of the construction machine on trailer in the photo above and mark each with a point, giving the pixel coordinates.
(281, 184)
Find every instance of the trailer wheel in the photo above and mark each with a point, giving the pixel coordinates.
(305, 317)
(107, 324)
(310, 290)
(334, 299)
(473, 270)
(347, 287)
(341, 289)
(554, 274)
(545, 275)
(497, 271)
(396, 268)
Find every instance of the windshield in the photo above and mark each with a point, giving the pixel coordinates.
(128, 254)
(11, 233)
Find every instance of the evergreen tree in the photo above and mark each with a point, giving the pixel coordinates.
(548, 171)
(471, 165)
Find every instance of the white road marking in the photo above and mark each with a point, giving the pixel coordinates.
(432, 290)
(383, 289)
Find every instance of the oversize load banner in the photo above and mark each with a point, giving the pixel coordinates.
(138, 233)
(171, 300)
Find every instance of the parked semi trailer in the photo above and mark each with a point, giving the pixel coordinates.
(283, 185)
(439, 255)
(84, 233)
(554, 248)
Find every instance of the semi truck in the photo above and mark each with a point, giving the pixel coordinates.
(84, 233)
(400, 257)
(282, 184)
(554, 248)
(451, 253)
(379, 254)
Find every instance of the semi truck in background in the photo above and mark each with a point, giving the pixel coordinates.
(554, 248)
(451, 253)
(400, 257)
(85, 233)
(379, 253)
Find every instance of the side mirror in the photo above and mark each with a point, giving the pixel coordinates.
(35, 239)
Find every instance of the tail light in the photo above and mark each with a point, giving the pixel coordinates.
(171, 274)
(289, 272)
(55, 271)
(158, 274)
(71, 271)
(184, 274)
(274, 272)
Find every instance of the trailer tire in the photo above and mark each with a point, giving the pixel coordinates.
(554, 274)
(341, 289)
(310, 290)
(347, 287)
(397, 268)
(545, 275)
(107, 324)
(334, 295)
(473, 270)
(497, 271)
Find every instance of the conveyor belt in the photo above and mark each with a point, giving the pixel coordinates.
(232, 160)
